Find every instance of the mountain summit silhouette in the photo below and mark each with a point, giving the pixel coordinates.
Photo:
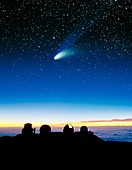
(67, 144)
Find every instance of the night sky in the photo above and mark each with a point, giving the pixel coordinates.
(91, 80)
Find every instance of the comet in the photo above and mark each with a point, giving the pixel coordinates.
(82, 27)
(63, 54)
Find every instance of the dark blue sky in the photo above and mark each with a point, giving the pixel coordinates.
(97, 75)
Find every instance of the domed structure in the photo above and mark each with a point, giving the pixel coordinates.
(44, 129)
(83, 129)
(28, 130)
(68, 129)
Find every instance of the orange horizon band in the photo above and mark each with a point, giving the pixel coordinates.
(75, 124)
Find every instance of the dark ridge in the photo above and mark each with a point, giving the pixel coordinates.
(60, 145)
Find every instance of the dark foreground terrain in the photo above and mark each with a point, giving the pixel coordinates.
(58, 145)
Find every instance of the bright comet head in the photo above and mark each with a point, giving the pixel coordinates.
(63, 54)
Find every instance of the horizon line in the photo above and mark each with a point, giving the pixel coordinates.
(89, 123)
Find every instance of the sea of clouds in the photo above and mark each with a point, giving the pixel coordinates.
(106, 133)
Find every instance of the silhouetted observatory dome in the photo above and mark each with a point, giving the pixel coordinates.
(83, 129)
(28, 130)
(68, 129)
(44, 129)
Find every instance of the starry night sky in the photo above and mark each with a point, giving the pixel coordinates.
(97, 75)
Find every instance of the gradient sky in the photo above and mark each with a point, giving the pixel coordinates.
(95, 83)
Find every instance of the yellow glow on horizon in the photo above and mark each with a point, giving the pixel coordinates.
(74, 124)
(15, 124)
(96, 123)
(10, 124)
